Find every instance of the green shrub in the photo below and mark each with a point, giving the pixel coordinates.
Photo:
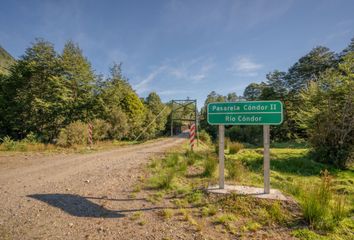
(306, 234)
(11, 145)
(216, 148)
(74, 133)
(235, 147)
(8, 144)
(246, 134)
(166, 213)
(204, 137)
(170, 167)
(320, 208)
(118, 121)
(163, 179)
(234, 168)
(209, 210)
(327, 114)
(30, 138)
(210, 165)
(225, 218)
(195, 198)
(276, 213)
(100, 129)
(192, 157)
(175, 162)
(227, 143)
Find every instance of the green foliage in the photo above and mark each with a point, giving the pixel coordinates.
(309, 67)
(36, 92)
(317, 205)
(78, 78)
(74, 133)
(288, 87)
(235, 147)
(327, 114)
(209, 210)
(210, 129)
(204, 137)
(234, 168)
(209, 165)
(100, 129)
(166, 213)
(225, 218)
(154, 104)
(31, 138)
(195, 198)
(8, 144)
(6, 60)
(246, 134)
(169, 168)
(306, 234)
(118, 121)
(192, 157)
(253, 91)
(163, 179)
(44, 92)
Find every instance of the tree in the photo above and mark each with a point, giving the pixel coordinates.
(79, 80)
(232, 97)
(348, 49)
(117, 94)
(211, 129)
(276, 80)
(35, 93)
(253, 91)
(309, 67)
(327, 114)
(154, 104)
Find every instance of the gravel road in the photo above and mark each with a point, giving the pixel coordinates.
(81, 196)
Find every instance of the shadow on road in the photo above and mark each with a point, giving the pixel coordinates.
(79, 206)
(76, 205)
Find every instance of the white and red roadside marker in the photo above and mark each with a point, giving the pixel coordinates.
(192, 136)
(90, 134)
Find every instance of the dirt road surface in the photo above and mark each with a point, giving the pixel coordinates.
(81, 196)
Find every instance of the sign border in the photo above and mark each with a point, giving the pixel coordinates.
(281, 119)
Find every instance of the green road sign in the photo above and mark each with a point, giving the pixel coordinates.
(245, 113)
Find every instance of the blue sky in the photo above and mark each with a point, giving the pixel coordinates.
(182, 48)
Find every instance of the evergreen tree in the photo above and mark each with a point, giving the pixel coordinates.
(327, 114)
(154, 104)
(253, 91)
(309, 67)
(36, 95)
(79, 80)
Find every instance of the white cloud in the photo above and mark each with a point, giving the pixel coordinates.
(194, 70)
(172, 92)
(143, 85)
(245, 66)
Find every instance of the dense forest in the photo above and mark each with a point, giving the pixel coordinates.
(318, 96)
(51, 96)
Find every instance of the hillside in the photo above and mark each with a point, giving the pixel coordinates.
(5, 60)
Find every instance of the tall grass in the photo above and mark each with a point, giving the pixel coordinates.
(321, 209)
(191, 157)
(234, 168)
(209, 165)
(29, 143)
(235, 147)
(171, 166)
